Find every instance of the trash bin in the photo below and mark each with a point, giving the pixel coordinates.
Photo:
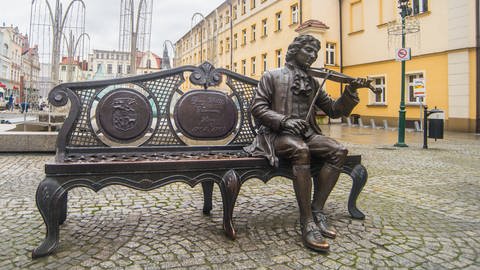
(436, 120)
(355, 118)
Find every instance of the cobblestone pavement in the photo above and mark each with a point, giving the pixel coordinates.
(422, 211)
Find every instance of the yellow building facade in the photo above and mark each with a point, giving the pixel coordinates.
(251, 36)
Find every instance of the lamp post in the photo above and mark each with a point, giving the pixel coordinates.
(58, 20)
(72, 44)
(405, 11)
(201, 32)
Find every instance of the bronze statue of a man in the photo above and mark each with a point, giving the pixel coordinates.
(281, 106)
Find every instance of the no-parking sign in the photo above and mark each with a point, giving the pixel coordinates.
(402, 54)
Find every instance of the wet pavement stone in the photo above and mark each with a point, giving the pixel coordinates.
(421, 211)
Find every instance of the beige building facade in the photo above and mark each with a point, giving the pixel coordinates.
(357, 38)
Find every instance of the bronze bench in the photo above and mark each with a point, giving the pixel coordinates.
(151, 130)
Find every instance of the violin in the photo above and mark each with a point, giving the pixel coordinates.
(328, 74)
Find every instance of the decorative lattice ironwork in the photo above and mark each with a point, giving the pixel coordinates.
(82, 134)
(163, 90)
(82, 130)
(245, 91)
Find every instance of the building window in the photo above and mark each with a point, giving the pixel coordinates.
(149, 63)
(227, 44)
(99, 66)
(254, 32)
(411, 86)
(235, 12)
(278, 16)
(264, 61)
(244, 36)
(244, 7)
(279, 57)
(128, 69)
(330, 54)
(235, 41)
(220, 48)
(356, 16)
(244, 67)
(294, 13)
(388, 10)
(220, 19)
(109, 68)
(420, 6)
(64, 68)
(254, 65)
(253, 4)
(235, 67)
(227, 17)
(379, 97)
(119, 69)
(264, 27)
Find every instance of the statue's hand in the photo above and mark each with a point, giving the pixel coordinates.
(295, 126)
(357, 83)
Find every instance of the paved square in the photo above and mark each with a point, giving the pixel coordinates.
(422, 209)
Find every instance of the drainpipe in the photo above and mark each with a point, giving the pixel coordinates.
(340, 42)
(477, 19)
(301, 12)
(231, 35)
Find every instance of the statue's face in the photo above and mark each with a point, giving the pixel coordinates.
(307, 55)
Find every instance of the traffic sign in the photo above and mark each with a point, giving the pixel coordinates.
(402, 54)
(419, 87)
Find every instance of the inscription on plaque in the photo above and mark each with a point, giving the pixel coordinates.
(124, 114)
(206, 114)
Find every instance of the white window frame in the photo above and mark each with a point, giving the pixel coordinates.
(254, 65)
(382, 86)
(409, 87)
(294, 12)
(264, 60)
(330, 53)
(419, 6)
(279, 58)
(278, 19)
(264, 27)
(254, 32)
(244, 66)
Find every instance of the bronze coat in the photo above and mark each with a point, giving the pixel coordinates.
(273, 102)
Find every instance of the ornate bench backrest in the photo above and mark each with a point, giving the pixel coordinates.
(156, 111)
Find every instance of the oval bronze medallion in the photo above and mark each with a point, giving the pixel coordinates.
(124, 115)
(206, 115)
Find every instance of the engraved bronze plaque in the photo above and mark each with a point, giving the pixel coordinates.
(124, 115)
(206, 115)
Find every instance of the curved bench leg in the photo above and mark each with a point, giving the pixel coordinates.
(359, 177)
(230, 186)
(48, 198)
(207, 197)
(63, 208)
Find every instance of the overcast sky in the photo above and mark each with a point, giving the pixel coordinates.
(171, 19)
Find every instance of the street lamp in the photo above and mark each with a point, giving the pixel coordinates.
(58, 20)
(72, 45)
(201, 32)
(405, 11)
